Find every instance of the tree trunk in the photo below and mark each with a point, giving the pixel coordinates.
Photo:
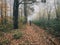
(56, 10)
(25, 11)
(1, 13)
(15, 14)
(1, 16)
(48, 19)
(5, 13)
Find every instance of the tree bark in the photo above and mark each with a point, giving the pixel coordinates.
(1, 13)
(25, 11)
(15, 14)
(5, 12)
(1, 16)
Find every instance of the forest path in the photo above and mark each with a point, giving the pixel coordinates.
(32, 35)
(38, 36)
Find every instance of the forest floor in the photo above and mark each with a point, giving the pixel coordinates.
(32, 35)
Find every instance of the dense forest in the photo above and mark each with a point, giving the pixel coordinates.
(29, 22)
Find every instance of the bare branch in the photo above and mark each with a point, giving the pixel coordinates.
(25, 3)
(20, 2)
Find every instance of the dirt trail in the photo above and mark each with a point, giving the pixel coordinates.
(38, 36)
(33, 35)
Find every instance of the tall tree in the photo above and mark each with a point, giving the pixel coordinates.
(15, 11)
(1, 6)
(25, 11)
(5, 12)
(57, 9)
(15, 14)
(25, 8)
(44, 1)
(49, 13)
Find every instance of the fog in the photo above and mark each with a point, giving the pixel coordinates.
(39, 7)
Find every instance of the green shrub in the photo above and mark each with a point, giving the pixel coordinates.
(52, 26)
(17, 35)
(42, 23)
(6, 28)
(5, 42)
(9, 26)
(1, 43)
(1, 34)
(3, 28)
